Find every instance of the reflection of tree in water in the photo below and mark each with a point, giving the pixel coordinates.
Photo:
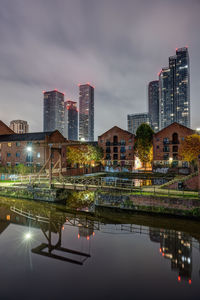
(80, 200)
(176, 246)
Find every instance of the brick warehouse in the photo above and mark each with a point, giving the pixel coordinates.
(117, 145)
(166, 145)
(31, 149)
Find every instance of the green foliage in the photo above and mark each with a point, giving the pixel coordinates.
(84, 154)
(19, 169)
(144, 143)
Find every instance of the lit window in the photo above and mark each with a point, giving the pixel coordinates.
(9, 144)
(38, 155)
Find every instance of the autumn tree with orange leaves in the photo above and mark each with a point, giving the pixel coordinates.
(190, 149)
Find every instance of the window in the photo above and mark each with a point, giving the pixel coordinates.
(107, 143)
(17, 154)
(157, 147)
(17, 164)
(129, 147)
(122, 149)
(8, 154)
(166, 141)
(166, 156)
(175, 148)
(175, 138)
(108, 156)
(115, 156)
(115, 149)
(18, 144)
(130, 141)
(166, 149)
(123, 142)
(157, 140)
(107, 149)
(115, 139)
(29, 143)
(101, 141)
(8, 164)
(9, 145)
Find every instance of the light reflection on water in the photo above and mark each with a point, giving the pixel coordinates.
(48, 252)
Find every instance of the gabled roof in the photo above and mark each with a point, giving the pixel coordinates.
(116, 128)
(175, 123)
(35, 136)
(4, 129)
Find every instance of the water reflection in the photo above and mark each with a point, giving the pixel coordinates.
(176, 246)
(53, 221)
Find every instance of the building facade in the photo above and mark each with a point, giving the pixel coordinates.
(19, 126)
(32, 149)
(71, 120)
(153, 104)
(135, 120)
(86, 112)
(53, 111)
(166, 145)
(118, 147)
(174, 90)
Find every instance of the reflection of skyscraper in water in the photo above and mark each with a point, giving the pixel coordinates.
(176, 246)
(85, 229)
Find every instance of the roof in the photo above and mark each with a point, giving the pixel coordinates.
(175, 123)
(35, 136)
(5, 128)
(118, 128)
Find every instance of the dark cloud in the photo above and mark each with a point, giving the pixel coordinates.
(119, 46)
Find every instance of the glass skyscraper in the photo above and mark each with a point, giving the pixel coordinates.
(135, 120)
(174, 90)
(153, 103)
(53, 111)
(71, 120)
(86, 112)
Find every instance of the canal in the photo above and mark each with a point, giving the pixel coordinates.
(73, 251)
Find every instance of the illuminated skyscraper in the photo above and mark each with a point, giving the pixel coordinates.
(86, 112)
(174, 90)
(153, 103)
(71, 120)
(53, 111)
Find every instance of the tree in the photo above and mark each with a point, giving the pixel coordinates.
(190, 149)
(84, 154)
(144, 143)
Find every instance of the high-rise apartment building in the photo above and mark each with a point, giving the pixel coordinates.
(86, 112)
(71, 120)
(135, 120)
(174, 90)
(53, 111)
(153, 104)
(19, 126)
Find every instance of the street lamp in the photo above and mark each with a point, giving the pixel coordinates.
(29, 149)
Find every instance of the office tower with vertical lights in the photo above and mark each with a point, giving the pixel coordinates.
(71, 120)
(174, 90)
(153, 104)
(53, 111)
(86, 112)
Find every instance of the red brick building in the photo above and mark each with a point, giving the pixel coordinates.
(166, 145)
(32, 149)
(117, 145)
(4, 129)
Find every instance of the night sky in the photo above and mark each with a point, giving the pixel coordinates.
(118, 46)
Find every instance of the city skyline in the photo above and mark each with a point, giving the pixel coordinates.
(120, 55)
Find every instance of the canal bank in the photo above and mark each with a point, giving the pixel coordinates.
(171, 206)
